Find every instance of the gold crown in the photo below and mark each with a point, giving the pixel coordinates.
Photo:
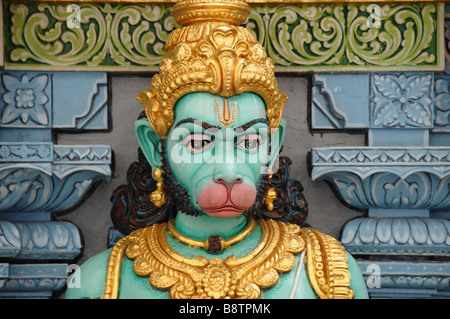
(211, 53)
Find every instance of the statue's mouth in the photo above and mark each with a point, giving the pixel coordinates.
(223, 209)
(220, 200)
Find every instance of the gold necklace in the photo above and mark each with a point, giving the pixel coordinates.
(233, 277)
(200, 277)
(213, 244)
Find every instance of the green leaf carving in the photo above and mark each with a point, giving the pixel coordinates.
(299, 37)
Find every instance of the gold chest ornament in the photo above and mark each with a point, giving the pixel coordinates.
(240, 278)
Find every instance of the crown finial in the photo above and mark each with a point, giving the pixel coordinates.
(190, 12)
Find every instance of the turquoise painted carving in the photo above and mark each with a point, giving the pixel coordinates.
(401, 179)
(53, 186)
(413, 104)
(48, 100)
(26, 100)
(73, 111)
(39, 240)
(447, 39)
(298, 37)
(386, 178)
(442, 103)
(415, 241)
(404, 100)
(252, 164)
(383, 100)
(33, 280)
(26, 152)
(336, 104)
(4, 272)
(397, 236)
(37, 175)
(406, 279)
(39, 179)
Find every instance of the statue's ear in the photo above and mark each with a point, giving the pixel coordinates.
(276, 141)
(149, 141)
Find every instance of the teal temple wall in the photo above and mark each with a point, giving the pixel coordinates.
(368, 131)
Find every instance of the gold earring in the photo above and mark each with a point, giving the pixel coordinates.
(158, 196)
(271, 195)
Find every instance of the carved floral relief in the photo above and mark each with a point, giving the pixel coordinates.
(25, 99)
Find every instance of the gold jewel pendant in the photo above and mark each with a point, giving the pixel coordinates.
(270, 197)
(213, 244)
(158, 197)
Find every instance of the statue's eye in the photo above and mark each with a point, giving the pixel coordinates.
(249, 142)
(197, 142)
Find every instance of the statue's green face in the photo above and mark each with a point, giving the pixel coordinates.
(218, 149)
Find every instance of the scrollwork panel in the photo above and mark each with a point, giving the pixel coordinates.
(298, 37)
(108, 34)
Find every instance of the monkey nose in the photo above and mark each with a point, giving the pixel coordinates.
(228, 178)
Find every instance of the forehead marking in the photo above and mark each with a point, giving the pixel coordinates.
(225, 119)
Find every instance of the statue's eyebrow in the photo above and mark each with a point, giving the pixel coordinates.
(205, 125)
(245, 126)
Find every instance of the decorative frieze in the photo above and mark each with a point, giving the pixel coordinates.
(397, 236)
(80, 154)
(383, 178)
(26, 152)
(30, 279)
(298, 37)
(105, 36)
(406, 279)
(53, 186)
(399, 180)
(39, 240)
(379, 156)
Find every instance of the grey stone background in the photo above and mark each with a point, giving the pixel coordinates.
(326, 212)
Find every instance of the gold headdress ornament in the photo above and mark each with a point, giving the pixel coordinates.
(211, 53)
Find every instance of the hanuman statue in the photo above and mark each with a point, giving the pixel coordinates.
(212, 134)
